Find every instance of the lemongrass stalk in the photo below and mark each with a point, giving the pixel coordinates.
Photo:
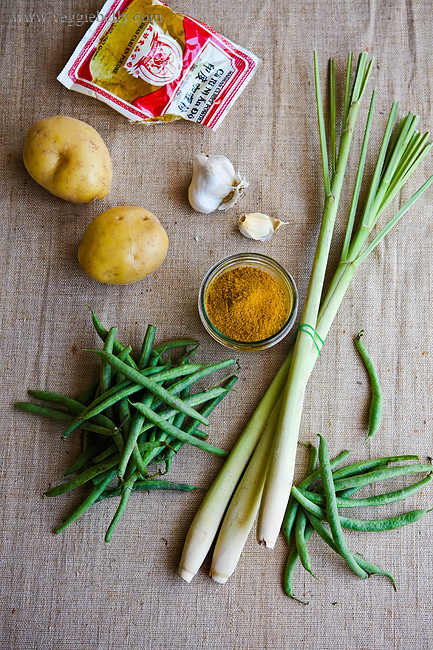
(279, 477)
(204, 527)
(206, 522)
(243, 508)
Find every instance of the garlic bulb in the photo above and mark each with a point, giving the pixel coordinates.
(215, 185)
(258, 226)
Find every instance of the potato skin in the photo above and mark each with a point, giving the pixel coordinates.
(68, 158)
(123, 245)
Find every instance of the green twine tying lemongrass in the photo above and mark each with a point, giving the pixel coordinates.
(279, 412)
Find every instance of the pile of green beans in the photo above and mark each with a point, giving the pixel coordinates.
(134, 418)
(317, 500)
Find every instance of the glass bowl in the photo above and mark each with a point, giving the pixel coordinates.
(264, 263)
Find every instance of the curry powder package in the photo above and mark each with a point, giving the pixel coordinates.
(154, 65)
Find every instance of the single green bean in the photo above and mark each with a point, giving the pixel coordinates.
(291, 563)
(292, 506)
(332, 510)
(377, 525)
(87, 503)
(376, 404)
(102, 333)
(123, 412)
(59, 416)
(368, 567)
(105, 378)
(178, 433)
(301, 541)
(149, 484)
(376, 500)
(125, 494)
(146, 347)
(169, 345)
(361, 480)
(367, 465)
(151, 385)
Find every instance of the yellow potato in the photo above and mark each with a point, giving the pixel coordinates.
(68, 158)
(122, 245)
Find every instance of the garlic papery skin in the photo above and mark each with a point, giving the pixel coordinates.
(215, 185)
(258, 226)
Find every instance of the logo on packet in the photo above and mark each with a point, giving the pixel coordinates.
(157, 57)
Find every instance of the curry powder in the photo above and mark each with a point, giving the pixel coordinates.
(247, 304)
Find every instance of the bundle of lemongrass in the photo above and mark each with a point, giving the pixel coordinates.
(257, 476)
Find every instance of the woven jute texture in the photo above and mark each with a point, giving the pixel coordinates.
(74, 591)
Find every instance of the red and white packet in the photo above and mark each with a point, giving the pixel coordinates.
(153, 65)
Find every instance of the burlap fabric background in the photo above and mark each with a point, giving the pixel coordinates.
(73, 590)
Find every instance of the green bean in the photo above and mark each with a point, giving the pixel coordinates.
(301, 541)
(377, 525)
(84, 477)
(102, 333)
(375, 414)
(177, 433)
(151, 385)
(169, 345)
(367, 567)
(291, 563)
(105, 372)
(361, 480)
(292, 506)
(376, 500)
(59, 416)
(148, 485)
(186, 356)
(146, 347)
(367, 465)
(125, 494)
(332, 510)
(137, 458)
(87, 503)
(123, 412)
(72, 405)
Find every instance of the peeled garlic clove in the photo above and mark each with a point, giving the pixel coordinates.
(258, 226)
(215, 184)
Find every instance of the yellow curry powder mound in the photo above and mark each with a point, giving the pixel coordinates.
(247, 304)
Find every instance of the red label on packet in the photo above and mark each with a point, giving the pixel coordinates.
(153, 65)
